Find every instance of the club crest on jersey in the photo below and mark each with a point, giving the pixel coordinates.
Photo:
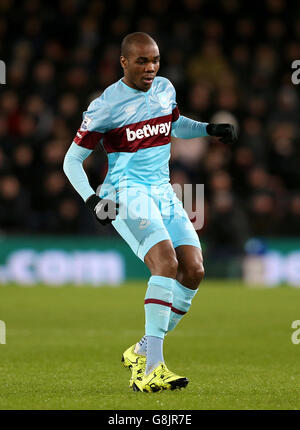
(148, 130)
(164, 100)
(85, 123)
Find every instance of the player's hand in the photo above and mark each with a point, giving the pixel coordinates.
(105, 210)
(227, 132)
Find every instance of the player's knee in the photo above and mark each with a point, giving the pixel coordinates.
(199, 272)
(193, 274)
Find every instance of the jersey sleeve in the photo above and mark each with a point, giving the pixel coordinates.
(187, 128)
(175, 109)
(73, 168)
(95, 123)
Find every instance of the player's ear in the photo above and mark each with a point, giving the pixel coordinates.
(123, 62)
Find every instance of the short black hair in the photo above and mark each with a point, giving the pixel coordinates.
(135, 38)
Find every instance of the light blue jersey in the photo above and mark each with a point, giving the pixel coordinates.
(135, 129)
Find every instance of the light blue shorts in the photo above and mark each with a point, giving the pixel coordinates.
(148, 215)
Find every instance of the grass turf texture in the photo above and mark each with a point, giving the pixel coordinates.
(64, 347)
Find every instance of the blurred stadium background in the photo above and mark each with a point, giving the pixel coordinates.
(228, 62)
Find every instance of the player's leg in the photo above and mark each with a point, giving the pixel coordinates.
(161, 258)
(162, 263)
(190, 266)
(151, 242)
(189, 275)
(189, 256)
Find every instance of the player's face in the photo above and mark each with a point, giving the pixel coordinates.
(141, 66)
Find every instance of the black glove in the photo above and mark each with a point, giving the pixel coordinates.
(227, 132)
(105, 210)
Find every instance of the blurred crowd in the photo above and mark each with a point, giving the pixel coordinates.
(228, 61)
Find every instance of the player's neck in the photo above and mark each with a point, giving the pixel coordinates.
(127, 82)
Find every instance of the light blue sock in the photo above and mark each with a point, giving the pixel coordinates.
(158, 302)
(142, 346)
(182, 300)
(154, 353)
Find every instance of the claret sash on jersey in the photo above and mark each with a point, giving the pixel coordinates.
(131, 137)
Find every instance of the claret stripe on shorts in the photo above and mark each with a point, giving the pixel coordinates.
(158, 302)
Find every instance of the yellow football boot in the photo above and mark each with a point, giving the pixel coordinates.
(161, 378)
(135, 362)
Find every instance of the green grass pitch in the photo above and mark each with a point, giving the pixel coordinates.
(64, 345)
